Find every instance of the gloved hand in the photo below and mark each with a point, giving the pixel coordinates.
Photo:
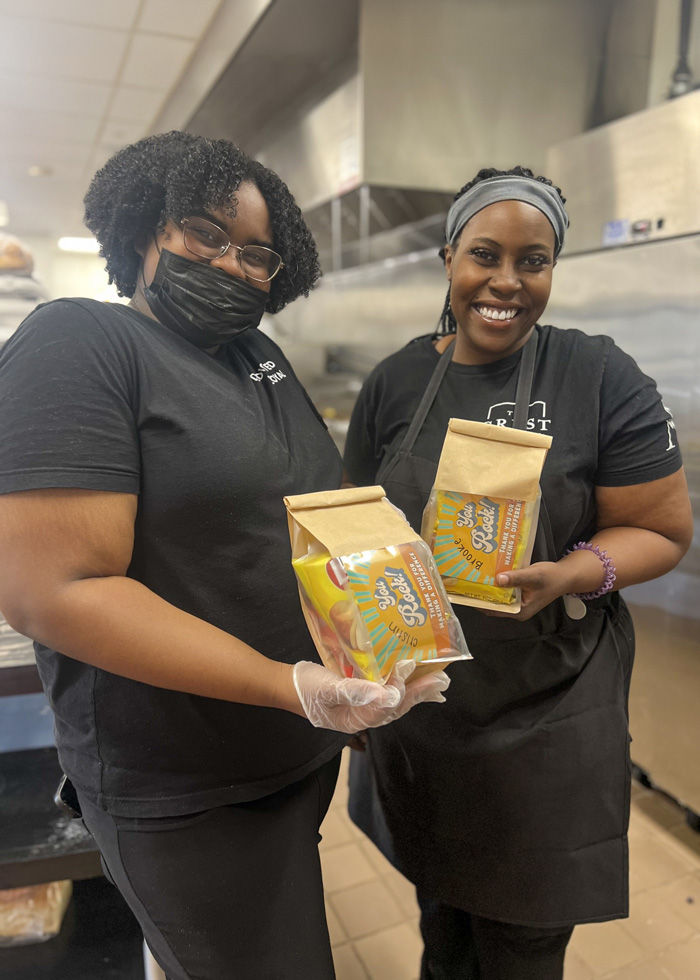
(351, 705)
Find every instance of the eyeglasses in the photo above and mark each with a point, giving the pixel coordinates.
(203, 238)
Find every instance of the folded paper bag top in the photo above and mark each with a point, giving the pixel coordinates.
(482, 514)
(348, 521)
(369, 589)
(496, 461)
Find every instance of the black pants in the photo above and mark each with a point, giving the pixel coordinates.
(233, 893)
(460, 946)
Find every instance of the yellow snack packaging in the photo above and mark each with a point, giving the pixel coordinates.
(370, 591)
(481, 518)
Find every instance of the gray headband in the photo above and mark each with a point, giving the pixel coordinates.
(508, 188)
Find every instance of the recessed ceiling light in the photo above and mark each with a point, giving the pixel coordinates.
(39, 170)
(4, 214)
(78, 245)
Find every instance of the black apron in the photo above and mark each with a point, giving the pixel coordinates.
(511, 800)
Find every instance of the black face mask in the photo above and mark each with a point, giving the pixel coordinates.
(205, 306)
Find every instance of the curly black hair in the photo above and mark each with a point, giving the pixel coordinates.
(174, 175)
(447, 323)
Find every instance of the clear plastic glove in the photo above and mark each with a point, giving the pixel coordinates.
(352, 705)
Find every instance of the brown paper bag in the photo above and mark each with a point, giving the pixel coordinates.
(369, 589)
(33, 914)
(482, 515)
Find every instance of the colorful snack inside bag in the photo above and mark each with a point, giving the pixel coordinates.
(370, 592)
(482, 515)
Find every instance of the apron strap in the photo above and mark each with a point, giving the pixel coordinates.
(520, 416)
(426, 402)
(525, 375)
(546, 526)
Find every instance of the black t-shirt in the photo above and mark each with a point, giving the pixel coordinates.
(101, 397)
(608, 424)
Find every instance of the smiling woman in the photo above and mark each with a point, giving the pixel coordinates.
(509, 808)
(500, 274)
(501, 267)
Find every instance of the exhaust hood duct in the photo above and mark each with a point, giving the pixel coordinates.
(682, 81)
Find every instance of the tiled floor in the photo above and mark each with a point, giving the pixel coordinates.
(373, 916)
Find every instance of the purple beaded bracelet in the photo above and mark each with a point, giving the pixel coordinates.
(610, 575)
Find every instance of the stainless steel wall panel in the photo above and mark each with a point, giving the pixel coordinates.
(378, 306)
(647, 297)
(643, 167)
(664, 701)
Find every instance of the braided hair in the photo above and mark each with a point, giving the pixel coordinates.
(447, 323)
(174, 175)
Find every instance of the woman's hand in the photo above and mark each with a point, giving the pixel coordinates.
(540, 584)
(351, 705)
(545, 581)
(644, 528)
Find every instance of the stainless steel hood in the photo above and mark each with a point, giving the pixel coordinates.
(391, 94)
(298, 52)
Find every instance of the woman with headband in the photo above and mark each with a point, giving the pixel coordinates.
(508, 807)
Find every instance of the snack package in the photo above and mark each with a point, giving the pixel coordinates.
(481, 518)
(33, 914)
(369, 589)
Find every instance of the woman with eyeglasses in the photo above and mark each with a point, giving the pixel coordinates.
(144, 455)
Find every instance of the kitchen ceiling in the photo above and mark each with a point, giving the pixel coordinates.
(81, 78)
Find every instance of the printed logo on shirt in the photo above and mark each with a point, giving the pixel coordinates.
(502, 414)
(266, 371)
(671, 426)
